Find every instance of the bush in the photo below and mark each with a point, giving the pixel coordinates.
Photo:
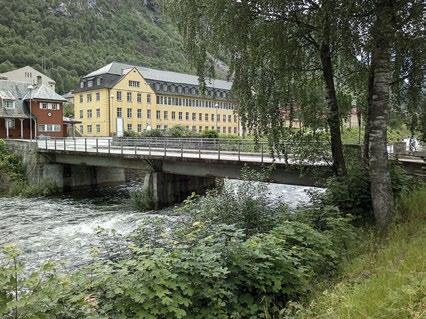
(210, 134)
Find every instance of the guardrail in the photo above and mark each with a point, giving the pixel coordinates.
(189, 147)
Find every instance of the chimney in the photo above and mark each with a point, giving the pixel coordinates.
(39, 80)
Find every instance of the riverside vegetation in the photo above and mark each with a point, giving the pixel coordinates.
(13, 180)
(235, 255)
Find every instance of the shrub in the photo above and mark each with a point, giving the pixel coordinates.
(210, 134)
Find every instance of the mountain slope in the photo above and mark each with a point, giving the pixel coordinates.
(69, 38)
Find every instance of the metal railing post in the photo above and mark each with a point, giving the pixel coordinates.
(85, 145)
(46, 143)
(136, 151)
(122, 150)
(55, 144)
(65, 144)
(261, 149)
(181, 149)
(109, 146)
(218, 146)
(239, 150)
(165, 151)
(97, 146)
(149, 147)
(75, 145)
(199, 148)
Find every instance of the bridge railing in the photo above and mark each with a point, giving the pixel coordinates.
(192, 147)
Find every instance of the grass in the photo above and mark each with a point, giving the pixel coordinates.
(388, 279)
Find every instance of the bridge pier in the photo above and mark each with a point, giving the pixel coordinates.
(167, 189)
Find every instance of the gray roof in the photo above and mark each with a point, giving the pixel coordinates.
(16, 91)
(43, 92)
(68, 95)
(19, 92)
(117, 68)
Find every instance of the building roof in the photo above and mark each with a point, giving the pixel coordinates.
(28, 69)
(68, 95)
(14, 91)
(117, 68)
(43, 92)
(19, 92)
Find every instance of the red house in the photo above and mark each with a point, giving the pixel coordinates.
(46, 110)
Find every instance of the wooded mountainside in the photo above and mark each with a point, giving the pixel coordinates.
(70, 38)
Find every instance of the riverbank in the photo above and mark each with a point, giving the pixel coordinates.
(387, 277)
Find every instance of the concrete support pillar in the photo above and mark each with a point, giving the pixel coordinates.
(168, 189)
(7, 127)
(22, 128)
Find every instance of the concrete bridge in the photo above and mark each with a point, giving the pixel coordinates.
(174, 167)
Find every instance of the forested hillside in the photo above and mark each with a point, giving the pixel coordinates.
(69, 38)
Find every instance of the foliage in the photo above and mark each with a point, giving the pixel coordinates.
(386, 280)
(210, 134)
(11, 168)
(70, 38)
(352, 193)
(203, 268)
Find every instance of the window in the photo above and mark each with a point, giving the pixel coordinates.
(235, 130)
(89, 114)
(187, 116)
(119, 112)
(89, 128)
(158, 127)
(224, 130)
(166, 115)
(81, 98)
(139, 113)
(224, 117)
(148, 98)
(173, 115)
(89, 98)
(139, 98)
(139, 128)
(158, 99)
(129, 96)
(135, 84)
(229, 130)
(206, 128)
(98, 81)
(129, 127)
(212, 117)
(194, 128)
(81, 114)
(10, 123)
(194, 116)
(165, 127)
(218, 117)
(90, 83)
(180, 116)
(98, 96)
(218, 129)
(235, 118)
(129, 113)
(229, 118)
(81, 84)
(81, 129)
(98, 113)
(50, 128)
(165, 87)
(157, 86)
(119, 96)
(158, 115)
(206, 117)
(200, 116)
(200, 129)
(148, 114)
(98, 128)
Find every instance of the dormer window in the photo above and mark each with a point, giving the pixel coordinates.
(98, 81)
(157, 86)
(81, 84)
(165, 87)
(9, 104)
(90, 83)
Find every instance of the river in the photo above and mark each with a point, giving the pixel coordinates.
(64, 227)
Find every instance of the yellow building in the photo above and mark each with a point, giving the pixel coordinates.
(120, 97)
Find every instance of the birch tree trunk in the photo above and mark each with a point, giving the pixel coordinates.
(333, 119)
(381, 187)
